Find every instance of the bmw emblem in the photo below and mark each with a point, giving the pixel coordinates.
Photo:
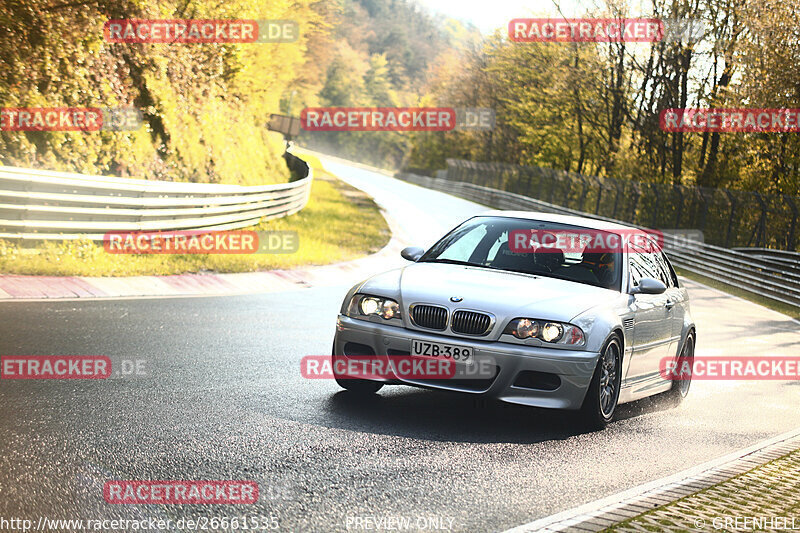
(456, 298)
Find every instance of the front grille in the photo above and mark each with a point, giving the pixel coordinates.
(471, 323)
(429, 316)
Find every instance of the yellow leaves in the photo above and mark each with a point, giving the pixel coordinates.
(212, 101)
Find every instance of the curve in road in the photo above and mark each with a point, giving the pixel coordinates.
(222, 398)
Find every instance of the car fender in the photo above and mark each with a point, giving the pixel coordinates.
(598, 325)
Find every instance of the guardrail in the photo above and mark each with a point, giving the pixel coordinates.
(776, 257)
(747, 272)
(40, 204)
(727, 218)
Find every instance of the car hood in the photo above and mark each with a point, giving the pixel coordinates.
(505, 294)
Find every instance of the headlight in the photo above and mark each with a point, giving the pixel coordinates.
(366, 306)
(390, 309)
(525, 328)
(548, 331)
(551, 332)
(369, 306)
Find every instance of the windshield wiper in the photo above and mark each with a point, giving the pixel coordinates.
(453, 262)
(516, 271)
(467, 263)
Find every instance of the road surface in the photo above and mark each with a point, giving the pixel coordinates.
(223, 398)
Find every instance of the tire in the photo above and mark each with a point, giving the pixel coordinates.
(601, 399)
(357, 386)
(680, 388)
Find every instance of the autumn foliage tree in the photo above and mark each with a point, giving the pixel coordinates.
(205, 105)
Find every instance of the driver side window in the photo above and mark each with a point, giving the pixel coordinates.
(636, 274)
(641, 266)
(665, 271)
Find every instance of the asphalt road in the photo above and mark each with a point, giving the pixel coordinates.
(223, 398)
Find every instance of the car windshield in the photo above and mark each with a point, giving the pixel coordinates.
(536, 247)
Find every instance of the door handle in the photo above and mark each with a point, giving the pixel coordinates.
(670, 304)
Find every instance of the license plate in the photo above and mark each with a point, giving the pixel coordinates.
(460, 354)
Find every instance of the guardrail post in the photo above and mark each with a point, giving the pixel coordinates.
(553, 183)
(679, 210)
(618, 187)
(791, 245)
(762, 222)
(732, 201)
(497, 172)
(654, 220)
(529, 173)
(565, 201)
(704, 211)
(583, 191)
(599, 194)
(637, 194)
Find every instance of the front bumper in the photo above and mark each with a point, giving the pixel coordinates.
(526, 375)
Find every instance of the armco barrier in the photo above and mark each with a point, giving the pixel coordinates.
(727, 218)
(750, 273)
(40, 204)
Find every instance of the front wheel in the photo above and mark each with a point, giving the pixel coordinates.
(601, 399)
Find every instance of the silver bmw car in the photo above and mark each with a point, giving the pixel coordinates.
(530, 308)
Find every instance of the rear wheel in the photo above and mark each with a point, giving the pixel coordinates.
(680, 387)
(601, 399)
(358, 386)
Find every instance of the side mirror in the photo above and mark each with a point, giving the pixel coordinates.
(649, 286)
(412, 253)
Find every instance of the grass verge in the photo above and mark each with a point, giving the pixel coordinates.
(768, 490)
(724, 287)
(339, 223)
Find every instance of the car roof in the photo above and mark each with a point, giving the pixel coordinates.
(584, 222)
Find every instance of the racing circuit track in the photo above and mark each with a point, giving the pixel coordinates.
(223, 398)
